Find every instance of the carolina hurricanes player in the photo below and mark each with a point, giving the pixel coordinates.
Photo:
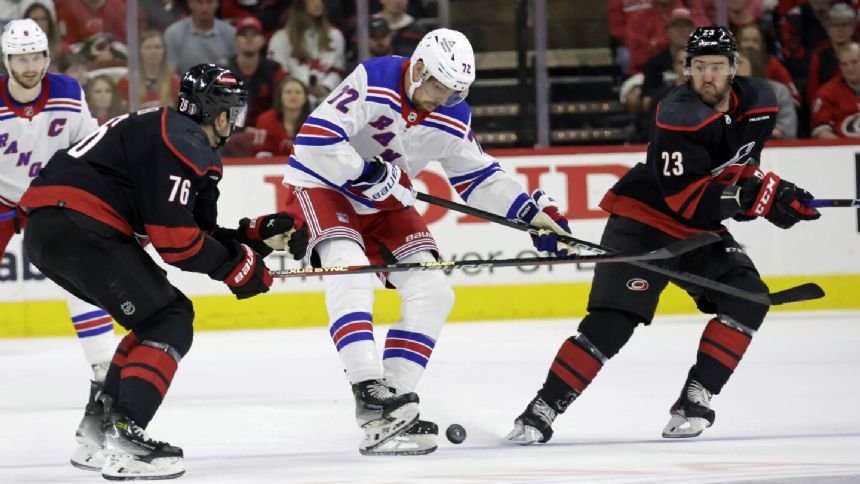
(41, 113)
(350, 174)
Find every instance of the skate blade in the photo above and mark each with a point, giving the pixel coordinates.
(128, 468)
(523, 435)
(404, 445)
(87, 459)
(682, 427)
(380, 431)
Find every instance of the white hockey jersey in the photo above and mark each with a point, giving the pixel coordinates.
(30, 134)
(369, 114)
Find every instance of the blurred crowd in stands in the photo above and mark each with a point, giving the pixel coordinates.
(291, 53)
(806, 49)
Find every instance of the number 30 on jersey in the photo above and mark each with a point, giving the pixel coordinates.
(673, 163)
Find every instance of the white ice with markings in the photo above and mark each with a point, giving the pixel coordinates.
(274, 406)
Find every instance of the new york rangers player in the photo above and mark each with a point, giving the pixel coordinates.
(41, 113)
(349, 178)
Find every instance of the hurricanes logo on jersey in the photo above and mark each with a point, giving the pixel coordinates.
(851, 126)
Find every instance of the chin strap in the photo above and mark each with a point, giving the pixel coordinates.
(413, 85)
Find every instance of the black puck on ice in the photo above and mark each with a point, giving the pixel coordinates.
(456, 433)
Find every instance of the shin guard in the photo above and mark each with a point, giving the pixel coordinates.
(721, 348)
(145, 378)
(575, 366)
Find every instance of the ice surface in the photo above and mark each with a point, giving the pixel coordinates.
(274, 406)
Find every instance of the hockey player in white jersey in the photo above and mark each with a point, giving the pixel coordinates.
(41, 113)
(349, 179)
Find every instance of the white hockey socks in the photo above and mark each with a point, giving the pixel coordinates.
(94, 327)
(349, 300)
(426, 301)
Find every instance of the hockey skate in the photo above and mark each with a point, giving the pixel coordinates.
(534, 424)
(418, 439)
(382, 414)
(131, 454)
(691, 413)
(90, 433)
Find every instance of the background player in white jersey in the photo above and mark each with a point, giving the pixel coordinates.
(349, 175)
(41, 113)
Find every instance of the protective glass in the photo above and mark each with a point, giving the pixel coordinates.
(715, 69)
(438, 91)
(238, 115)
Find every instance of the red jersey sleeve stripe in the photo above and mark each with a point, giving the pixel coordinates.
(631, 208)
(175, 243)
(176, 152)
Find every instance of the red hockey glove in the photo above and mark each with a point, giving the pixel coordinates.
(542, 212)
(278, 231)
(384, 184)
(245, 273)
(779, 201)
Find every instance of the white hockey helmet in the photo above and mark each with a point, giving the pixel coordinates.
(23, 36)
(448, 58)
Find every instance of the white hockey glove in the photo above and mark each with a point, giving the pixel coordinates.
(542, 212)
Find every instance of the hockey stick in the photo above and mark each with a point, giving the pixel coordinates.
(799, 293)
(672, 250)
(832, 202)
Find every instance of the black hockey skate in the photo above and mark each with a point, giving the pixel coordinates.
(534, 424)
(90, 432)
(382, 413)
(691, 413)
(131, 454)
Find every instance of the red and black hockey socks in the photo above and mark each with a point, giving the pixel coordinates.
(575, 366)
(721, 348)
(139, 376)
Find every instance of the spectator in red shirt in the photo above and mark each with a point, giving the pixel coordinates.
(81, 19)
(836, 109)
(157, 82)
(660, 69)
(261, 75)
(646, 31)
(801, 31)
(841, 25)
(276, 128)
(751, 42)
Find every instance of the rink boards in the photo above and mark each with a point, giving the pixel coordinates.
(824, 251)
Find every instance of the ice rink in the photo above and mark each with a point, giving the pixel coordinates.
(274, 406)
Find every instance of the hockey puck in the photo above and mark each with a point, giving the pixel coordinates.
(456, 433)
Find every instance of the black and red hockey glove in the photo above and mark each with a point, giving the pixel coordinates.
(780, 201)
(245, 273)
(277, 231)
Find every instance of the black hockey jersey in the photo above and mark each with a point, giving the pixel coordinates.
(150, 174)
(694, 151)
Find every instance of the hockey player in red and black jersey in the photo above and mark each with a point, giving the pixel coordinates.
(701, 169)
(148, 177)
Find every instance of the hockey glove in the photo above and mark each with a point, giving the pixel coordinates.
(245, 273)
(779, 201)
(278, 231)
(542, 212)
(384, 184)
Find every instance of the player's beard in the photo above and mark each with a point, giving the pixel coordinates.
(28, 82)
(713, 96)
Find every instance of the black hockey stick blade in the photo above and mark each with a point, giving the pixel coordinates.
(803, 292)
(671, 250)
(832, 202)
(796, 294)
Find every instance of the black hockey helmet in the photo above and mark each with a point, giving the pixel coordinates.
(711, 40)
(207, 90)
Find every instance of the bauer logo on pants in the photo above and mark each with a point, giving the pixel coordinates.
(637, 284)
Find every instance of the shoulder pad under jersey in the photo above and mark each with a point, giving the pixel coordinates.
(384, 72)
(187, 140)
(63, 86)
(755, 93)
(682, 110)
